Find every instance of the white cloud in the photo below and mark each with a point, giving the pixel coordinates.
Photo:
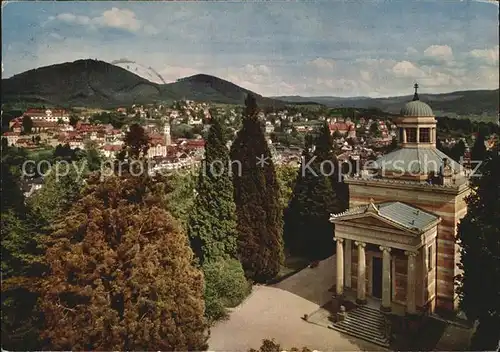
(56, 36)
(442, 52)
(407, 69)
(257, 69)
(173, 73)
(322, 63)
(488, 55)
(411, 51)
(119, 18)
(365, 75)
(71, 18)
(113, 18)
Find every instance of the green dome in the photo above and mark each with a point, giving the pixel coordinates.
(417, 108)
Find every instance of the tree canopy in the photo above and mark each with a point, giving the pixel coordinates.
(121, 274)
(479, 238)
(212, 223)
(256, 194)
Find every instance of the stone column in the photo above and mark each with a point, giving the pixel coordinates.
(361, 273)
(410, 283)
(347, 263)
(386, 279)
(404, 135)
(418, 135)
(340, 266)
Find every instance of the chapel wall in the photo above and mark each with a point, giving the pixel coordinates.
(450, 207)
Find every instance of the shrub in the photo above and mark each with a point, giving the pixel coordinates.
(271, 346)
(225, 287)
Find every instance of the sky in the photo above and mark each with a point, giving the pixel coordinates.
(337, 48)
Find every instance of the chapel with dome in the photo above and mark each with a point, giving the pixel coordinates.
(396, 243)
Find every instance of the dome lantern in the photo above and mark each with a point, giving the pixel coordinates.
(416, 123)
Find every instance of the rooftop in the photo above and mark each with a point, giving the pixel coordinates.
(398, 213)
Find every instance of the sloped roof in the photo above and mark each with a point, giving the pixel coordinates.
(415, 161)
(399, 213)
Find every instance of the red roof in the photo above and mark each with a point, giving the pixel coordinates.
(11, 134)
(341, 126)
(195, 143)
(46, 124)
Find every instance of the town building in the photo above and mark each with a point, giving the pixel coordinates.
(396, 243)
(48, 115)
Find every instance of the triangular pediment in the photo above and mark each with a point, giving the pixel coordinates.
(371, 219)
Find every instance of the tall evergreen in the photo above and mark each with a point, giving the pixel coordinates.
(478, 151)
(308, 230)
(256, 194)
(212, 223)
(479, 238)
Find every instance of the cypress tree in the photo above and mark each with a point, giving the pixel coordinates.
(479, 238)
(212, 223)
(256, 194)
(309, 232)
(478, 151)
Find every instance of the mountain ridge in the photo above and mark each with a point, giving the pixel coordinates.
(95, 83)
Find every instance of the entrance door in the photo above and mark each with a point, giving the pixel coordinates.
(377, 277)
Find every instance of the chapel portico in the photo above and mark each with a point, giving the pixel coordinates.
(386, 251)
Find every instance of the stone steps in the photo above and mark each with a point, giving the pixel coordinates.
(365, 323)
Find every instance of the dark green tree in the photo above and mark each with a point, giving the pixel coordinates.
(212, 223)
(27, 124)
(458, 150)
(256, 194)
(136, 143)
(270, 345)
(478, 151)
(374, 129)
(308, 230)
(479, 238)
(121, 274)
(92, 156)
(73, 119)
(21, 266)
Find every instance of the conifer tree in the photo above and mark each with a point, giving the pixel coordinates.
(308, 230)
(478, 151)
(256, 194)
(121, 274)
(479, 238)
(212, 223)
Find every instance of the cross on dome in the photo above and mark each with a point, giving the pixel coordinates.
(415, 96)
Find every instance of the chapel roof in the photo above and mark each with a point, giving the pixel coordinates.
(399, 213)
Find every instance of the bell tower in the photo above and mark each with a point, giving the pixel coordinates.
(166, 133)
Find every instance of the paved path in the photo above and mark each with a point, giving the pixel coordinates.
(276, 311)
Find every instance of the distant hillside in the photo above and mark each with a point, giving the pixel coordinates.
(98, 84)
(93, 83)
(81, 83)
(472, 102)
(209, 88)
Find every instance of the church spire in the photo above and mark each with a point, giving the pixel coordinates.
(415, 96)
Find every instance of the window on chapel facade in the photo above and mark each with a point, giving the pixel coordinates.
(411, 135)
(430, 257)
(425, 135)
